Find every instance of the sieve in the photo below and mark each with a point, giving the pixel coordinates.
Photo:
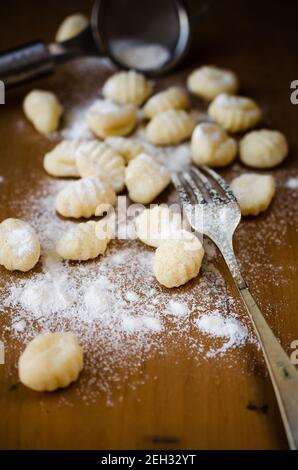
(150, 36)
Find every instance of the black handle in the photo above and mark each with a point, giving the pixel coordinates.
(25, 63)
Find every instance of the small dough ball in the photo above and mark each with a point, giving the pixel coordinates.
(44, 110)
(170, 127)
(209, 81)
(127, 88)
(145, 178)
(19, 245)
(254, 192)
(157, 224)
(178, 261)
(172, 98)
(211, 146)
(51, 361)
(263, 149)
(95, 158)
(71, 26)
(127, 147)
(84, 198)
(235, 113)
(81, 242)
(105, 118)
(61, 161)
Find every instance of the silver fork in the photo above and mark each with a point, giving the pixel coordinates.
(221, 216)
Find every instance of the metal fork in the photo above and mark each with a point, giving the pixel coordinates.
(221, 216)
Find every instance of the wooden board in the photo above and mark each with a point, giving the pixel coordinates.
(181, 405)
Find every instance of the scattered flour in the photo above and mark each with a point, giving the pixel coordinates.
(218, 326)
(1, 179)
(120, 314)
(292, 183)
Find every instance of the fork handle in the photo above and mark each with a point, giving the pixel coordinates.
(283, 374)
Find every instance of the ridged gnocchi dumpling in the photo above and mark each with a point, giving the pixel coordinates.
(84, 198)
(71, 26)
(211, 146)
(61, 161)
(209, 81)
(170, 127)
(178, 261)
(145, 178)
(82, 242)
(157, 224)
(105, 118)
(128, 147)
(253, 192)
(263, 148)
(235, 113)
(127, 88)
(43, 109)
(51, 361)
(19, 245)
(172, 98)
(95, 158)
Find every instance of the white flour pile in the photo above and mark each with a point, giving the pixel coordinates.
(140, 55)
(119, 312)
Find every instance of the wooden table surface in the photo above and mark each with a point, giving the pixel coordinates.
(181, 405)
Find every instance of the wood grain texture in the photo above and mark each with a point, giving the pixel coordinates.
(181, 404)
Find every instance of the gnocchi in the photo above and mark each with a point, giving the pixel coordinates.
(211, 146)
(157, 224)
(127, 147)
(145, 178)
(178, 261)
(71, 27)
(263, 149)
(95, 158)
(127, 88)
(105, 118)
(44, 110)
(172, 98)
(235, 113)
(170, 127)
(209, 81)
(61, 160)
(84, 198)
(51, 361)
(19, 245)
(253, 192)
(82, 243)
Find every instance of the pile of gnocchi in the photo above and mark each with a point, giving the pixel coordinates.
(112, 160)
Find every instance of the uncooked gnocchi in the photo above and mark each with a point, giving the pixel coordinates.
(263, 148)
(178, 261)
(81, 242)
(157, 224)
(129, 148)
(84, 198)
(43, 109)
(254, 192)
(95, 158)
(170, 127)
(127, 88)
(19, 245)
(51, 361)
(105, 118)
(71, 26)
(211, 146)
(61, 161)
(235, 113)
(145, 178)
(172, 98)
(209, 81)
